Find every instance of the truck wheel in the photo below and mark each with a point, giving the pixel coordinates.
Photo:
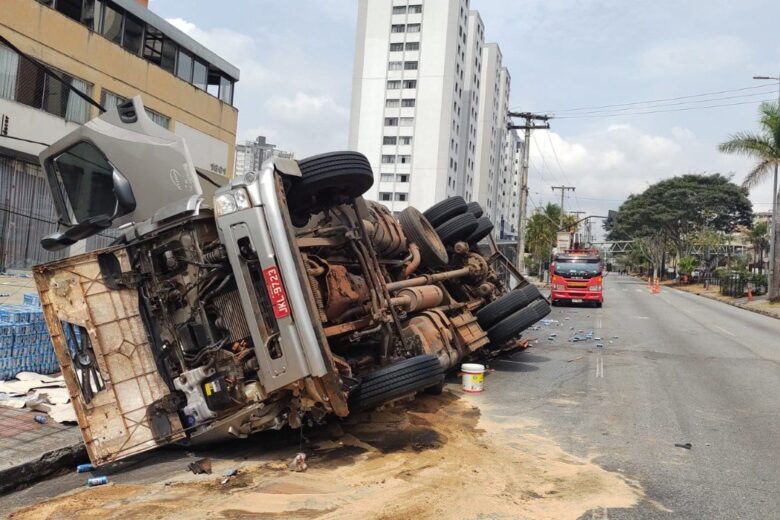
(457, 228)
(599, 304)
(484, 227)
(474, 208)
(419, 231)
(517, 322)
(496, 311)
(330, 176)
(397, 380)
(443, 211)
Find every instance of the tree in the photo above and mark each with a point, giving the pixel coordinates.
(542, 231)
(764, 148)
(759, 239)
(686, 265)
(673, 211)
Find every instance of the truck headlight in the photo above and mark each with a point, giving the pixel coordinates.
(560, 287)
(594, 288)
(231, 201)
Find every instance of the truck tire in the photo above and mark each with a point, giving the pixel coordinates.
(474, 208)
(419, 231)
(484, 227)
(443, 211)
(518, 321)
(397, 380)
(330, 174)
(457, 228)
(496, 311)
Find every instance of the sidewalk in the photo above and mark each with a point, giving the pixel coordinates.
(760, 304)
(29, 451)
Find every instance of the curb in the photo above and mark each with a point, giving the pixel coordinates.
(49, 462)
(733, 304)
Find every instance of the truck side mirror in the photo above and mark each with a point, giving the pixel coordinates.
(124, 193)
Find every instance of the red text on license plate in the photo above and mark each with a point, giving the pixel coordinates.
(275, 288)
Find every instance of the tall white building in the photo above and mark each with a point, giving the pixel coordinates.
(429, 104)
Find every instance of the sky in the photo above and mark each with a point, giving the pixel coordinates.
(296, 61)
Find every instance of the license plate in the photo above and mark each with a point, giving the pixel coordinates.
(576, 300)
(275, 288)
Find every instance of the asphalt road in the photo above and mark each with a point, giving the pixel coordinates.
(674, 368)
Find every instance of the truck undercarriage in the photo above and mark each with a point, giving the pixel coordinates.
(288, 298)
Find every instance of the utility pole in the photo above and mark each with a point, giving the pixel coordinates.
(521, 210)
(563, 189)
(773, 268)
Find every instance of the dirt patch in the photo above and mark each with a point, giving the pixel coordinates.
(434, 458)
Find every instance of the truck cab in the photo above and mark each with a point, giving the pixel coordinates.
(576, 276)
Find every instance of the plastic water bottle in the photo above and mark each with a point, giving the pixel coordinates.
(97, 481)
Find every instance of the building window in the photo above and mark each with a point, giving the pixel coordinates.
(399, 9)
(404, 159)
(386, 177)
(401, 197)
(406, 139)
(389, 140)
(184, 66)
(385, 196)
(408, 102)
(396, 47)
(410, 65)
(397, 28)
(392, 103)
(70, 8)
(415, 9)
(412, 46)
(394, 84)
(413, 28)
(200, 75)
(391, 121)
(388, 159)
(409, 83)
(407, 121)
(394, 65)
(133, 35)
(111, 27)
(403, 177)
(109, 99)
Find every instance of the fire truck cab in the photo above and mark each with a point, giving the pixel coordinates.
(576, 276)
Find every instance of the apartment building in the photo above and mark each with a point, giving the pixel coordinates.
(429, 104)
(110, 50)
(250, 155)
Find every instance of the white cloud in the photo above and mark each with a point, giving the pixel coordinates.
(692, 56)
(303, 107)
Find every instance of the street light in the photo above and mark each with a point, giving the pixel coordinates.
(773, 233)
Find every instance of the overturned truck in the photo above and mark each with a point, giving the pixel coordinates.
(272, 299)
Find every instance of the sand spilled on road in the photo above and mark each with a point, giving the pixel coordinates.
(432, 458)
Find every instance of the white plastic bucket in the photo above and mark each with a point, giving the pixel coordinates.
(473, 377)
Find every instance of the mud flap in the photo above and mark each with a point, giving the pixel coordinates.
(121, 401)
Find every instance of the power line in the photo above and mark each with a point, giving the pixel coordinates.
(678, 103)
(667, 111)
(703, 94)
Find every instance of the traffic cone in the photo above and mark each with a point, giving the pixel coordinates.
(657, 286)
(750, 294)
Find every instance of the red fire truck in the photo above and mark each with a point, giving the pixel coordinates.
(576, 276)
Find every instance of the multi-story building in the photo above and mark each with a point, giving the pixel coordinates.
(251, 154)
(109, 50)
(429, 104)
(407, 97)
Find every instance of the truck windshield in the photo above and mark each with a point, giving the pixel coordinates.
(578, 267)
(84, 176)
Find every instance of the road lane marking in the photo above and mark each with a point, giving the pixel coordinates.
(599, 366)
(725, 331)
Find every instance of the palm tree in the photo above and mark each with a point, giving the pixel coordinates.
(542, 232)
(764, 148)
(757, 236)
